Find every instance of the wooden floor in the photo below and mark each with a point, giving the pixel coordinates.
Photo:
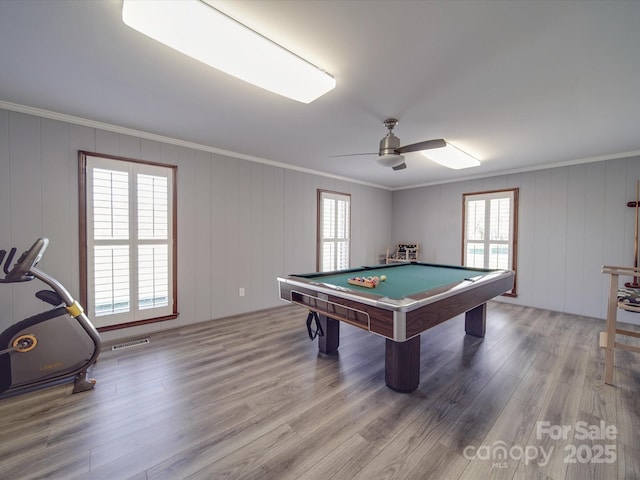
(250, 398)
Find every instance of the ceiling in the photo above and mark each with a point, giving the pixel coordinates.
(518, 84)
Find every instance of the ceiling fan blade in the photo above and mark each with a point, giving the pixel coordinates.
(426, 145)
(402, 166)
(352, 154)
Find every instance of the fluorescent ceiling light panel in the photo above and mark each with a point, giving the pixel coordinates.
(451, 157)
(202, 32)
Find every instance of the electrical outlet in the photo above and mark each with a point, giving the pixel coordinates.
(241, 292)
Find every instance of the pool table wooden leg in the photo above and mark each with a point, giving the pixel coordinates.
(402, 365)
(475, 321)
(330, 342)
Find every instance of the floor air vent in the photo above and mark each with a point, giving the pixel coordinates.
(133, 343)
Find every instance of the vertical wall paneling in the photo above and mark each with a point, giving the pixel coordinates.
(296, 230)
(542, 242)
(382, 231)
(107, 142)
(615, 201)
(242, 242)
(447, 224)
(5, 181)
(575, 238)
(359, 253)
(129, 146)
(150, 150)
(407, 200)
(309, 221)
(288, 230)
(266, 285)
(189, 213)
(495, 183)
(355, 253)
(592, 298)
(306, 222)
(82, 138)
(557, 252)
(26, 178)
(526, 236)
(202, 235)
(376, 235)
(5, 215)
(278, 194)
(57, 220)
(26, 224)
(258, 233)
(220, 307)
(232, 261)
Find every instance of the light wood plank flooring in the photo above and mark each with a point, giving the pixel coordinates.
(249, 397)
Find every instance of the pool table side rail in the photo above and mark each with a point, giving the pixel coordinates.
(367, 317)
(338, 310)
(449, 306)
(407, 304)
(393, 319)
(399, 265)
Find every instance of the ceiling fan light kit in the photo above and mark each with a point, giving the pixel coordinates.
(391, 160)
(438, 150)
(200, 31)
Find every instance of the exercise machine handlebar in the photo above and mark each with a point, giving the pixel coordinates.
(21, 271)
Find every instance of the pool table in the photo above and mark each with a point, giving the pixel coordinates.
(415, 297)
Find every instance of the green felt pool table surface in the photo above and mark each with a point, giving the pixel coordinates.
(403, 280)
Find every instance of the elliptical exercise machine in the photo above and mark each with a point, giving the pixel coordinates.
(49, 347)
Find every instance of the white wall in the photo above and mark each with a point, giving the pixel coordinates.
(572, 220)
(240, 223)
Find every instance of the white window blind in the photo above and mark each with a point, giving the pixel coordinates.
(489, 229)
(129, 240)
(334, 230)
(111, 280)
(153, 276)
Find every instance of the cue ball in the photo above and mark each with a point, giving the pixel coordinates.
(383, 278)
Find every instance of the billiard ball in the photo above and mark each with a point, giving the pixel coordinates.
(383, 278)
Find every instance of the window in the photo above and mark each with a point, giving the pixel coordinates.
(489, 230)
(128, 243)
(334, 212)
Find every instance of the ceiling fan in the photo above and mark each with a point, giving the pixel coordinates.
(390, 152)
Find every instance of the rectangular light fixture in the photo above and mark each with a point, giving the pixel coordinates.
(451, 157)
(208, 35)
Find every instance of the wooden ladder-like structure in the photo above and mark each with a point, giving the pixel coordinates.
(608, 338)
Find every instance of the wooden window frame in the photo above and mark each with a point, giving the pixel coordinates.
(514, 230)
(83, 236)
(319, 239)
